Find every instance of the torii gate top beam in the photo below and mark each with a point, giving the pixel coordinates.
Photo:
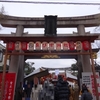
(7, 39)
(62, 22)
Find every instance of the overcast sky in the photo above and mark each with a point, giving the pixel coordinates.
(39, 10)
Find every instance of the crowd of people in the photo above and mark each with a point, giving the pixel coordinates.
(62, 90)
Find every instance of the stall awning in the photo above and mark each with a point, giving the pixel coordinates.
(37, 73)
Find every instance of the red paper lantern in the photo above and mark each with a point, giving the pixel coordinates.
(86, 45)
(17, 45)
(71, 45)
(78, 45)
(11, 46)
(65, 45)
(24, 45)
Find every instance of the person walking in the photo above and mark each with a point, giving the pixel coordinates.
(71, 93)
(28, 92)
(20, 90)
(36, 89)
(62, 91)
(86, 95)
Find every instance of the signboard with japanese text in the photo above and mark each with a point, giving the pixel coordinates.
(88, 79)
(8, 86)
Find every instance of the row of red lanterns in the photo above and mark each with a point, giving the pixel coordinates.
(23, 45)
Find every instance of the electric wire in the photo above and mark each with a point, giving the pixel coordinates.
(38, 2)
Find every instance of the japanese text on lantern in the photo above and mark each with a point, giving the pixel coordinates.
(31, 46)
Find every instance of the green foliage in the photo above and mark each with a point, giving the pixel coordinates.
(1, 68)
(75, 73)
(2, 12)
(28, 68)
(74, 67)
(97, 67)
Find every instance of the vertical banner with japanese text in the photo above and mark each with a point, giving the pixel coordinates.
(88, 79)
(8, 86)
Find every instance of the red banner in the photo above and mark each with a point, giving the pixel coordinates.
(8, 85)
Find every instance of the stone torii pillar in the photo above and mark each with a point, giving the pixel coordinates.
(85, 59)
(17, 61)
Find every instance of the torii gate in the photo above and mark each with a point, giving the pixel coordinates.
(55, 39)
(21, 22)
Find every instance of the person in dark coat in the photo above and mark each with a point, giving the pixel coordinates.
(20, 90)
(28, 91)
(84, 87)
(86, 95)
(62, 91)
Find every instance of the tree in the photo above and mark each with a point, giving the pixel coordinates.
(1, 68)
(97, 67)
(28, 68)
(2, 13)
(74, 69)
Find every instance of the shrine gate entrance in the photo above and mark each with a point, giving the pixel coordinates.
(51, 46)
(20, 45)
